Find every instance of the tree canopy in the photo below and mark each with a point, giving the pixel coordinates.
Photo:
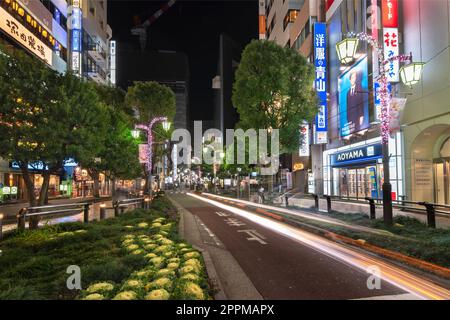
(151, 99)
(273, 88)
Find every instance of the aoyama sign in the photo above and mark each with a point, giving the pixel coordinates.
(357, 155)
(22, 35)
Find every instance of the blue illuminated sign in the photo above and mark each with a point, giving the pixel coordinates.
(76, 40)
(357, 155)
(320, 63)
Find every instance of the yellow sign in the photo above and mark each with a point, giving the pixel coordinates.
(298, 166)
(23, 36)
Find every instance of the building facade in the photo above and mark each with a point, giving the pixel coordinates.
(351, 162)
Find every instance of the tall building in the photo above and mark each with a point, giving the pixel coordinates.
(419, 146)
(38, 27)
(225, 115)
(89, 39)
(166, 67)
(280, 15)
(426, 121)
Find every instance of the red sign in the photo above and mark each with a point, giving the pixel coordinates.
(328, 4)
(390, 13)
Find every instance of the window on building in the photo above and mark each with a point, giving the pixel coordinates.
(92, 8)
(290, 17)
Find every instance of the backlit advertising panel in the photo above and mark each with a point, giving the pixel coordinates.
(353, 90)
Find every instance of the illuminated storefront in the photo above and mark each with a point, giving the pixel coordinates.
(351, 162)
(356, 170)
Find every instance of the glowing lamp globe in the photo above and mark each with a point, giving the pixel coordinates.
(411, 73)
(346, 50)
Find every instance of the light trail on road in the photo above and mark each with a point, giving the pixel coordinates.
(309, 216)
(402, 279)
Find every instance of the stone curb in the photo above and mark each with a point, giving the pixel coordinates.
(210, 268)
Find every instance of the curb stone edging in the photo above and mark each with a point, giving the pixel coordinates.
(210, 268)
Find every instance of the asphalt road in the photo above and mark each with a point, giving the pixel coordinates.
(280, 267)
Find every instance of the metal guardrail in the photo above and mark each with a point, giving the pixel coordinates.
(416, 206)
(119, 207)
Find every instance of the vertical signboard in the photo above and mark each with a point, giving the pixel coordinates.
(76, 35)
(304, 140)
(320, 63)
(390, 13)
(390, 37)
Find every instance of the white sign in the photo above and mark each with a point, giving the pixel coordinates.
(304, 140)
(21, 34)
(311, 183)
(390, 40)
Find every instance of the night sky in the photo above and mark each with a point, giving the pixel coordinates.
(192, 27)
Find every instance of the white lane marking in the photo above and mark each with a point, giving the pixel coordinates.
(222, 214)
(254, 236)
(210, 233)
(233, 222)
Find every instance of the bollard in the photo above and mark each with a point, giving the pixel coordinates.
(86, 213)
(116, 208)
(431, 214)
(328, 203)
(372, 207)
(21, 219)
(1, 226)
(287, 201)
(316, 201)
(102, 211)
(147, 203)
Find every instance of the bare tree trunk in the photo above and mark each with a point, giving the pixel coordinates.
(113, 189)
(95, 175)
(29, 184)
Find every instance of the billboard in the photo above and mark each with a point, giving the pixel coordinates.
(12, 27)
(353, 91)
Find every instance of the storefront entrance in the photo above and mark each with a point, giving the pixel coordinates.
(357, 182)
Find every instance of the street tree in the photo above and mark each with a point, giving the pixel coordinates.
(45, 119)
(273, 88)
(150, 99)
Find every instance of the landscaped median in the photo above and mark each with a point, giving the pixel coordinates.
(137, 255)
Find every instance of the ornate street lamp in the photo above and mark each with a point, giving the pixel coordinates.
(135, 133)
(149, 129)
(346, 49)
(166, 125)
(411, 73)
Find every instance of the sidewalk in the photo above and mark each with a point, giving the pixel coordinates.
(442, 221)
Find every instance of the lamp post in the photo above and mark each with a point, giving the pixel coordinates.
(410, 75)
(149, 129)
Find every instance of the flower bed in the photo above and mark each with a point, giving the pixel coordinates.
(137, 255)
(173, 270)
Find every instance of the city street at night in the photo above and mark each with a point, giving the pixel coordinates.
(225, 159)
